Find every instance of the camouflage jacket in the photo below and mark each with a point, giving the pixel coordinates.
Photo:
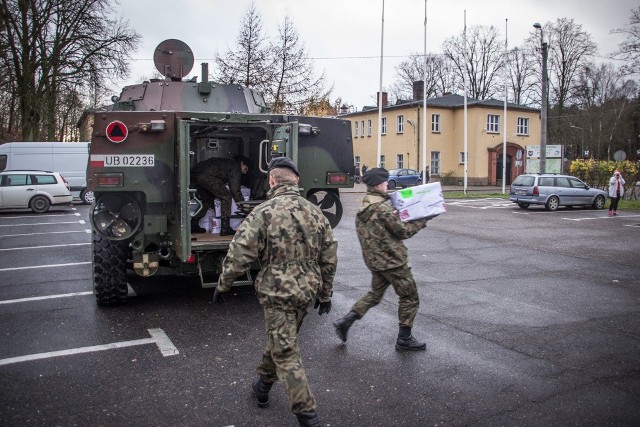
(381, 232)
(226, 170)
(293, 242)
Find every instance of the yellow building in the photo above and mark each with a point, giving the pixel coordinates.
(401, 145)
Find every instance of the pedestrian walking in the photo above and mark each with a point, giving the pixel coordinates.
(616, 191)
(381, 232)
(294, 244)
(211, 177)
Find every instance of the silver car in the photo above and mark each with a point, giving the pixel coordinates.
(552, 191)
(36, 190)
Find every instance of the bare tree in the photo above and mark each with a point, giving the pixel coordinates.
(480, 60)
(440, 76)
(522, 72)
(629, 49)
(249, 63)
(570, 50)
(57, 46)
(294, 83)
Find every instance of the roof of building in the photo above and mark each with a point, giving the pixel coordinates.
(447, 101)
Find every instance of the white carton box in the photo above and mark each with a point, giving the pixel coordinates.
(420, 201)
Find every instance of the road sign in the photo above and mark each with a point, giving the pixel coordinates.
(117, 131)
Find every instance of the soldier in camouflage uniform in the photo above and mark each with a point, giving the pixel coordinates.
(293, 242)
(381, 232)
(211, 178)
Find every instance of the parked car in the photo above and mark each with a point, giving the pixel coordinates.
(404, 178)
(554, 190)
(36, 190)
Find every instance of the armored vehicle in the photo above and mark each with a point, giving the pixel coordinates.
(142, 152)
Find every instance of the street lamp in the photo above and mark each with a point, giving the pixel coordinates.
(543, 113)
(585, 153)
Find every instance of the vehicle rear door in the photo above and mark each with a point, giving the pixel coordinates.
(564, 190)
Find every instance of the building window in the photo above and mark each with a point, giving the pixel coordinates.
(400, 124)
(435, 123)
(384, 125)
(362, 127)
(523, 126)
(355, 129)
(400, 160)
(461, 157)
(356, 160)
(382, 160)
(369, 127)
(493, 123)
(435, 163)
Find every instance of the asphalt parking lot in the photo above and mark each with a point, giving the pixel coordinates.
(530, 317)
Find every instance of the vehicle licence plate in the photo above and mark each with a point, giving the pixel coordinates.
(130, 160)
(521, 191)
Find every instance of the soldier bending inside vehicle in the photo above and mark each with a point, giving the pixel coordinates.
(211, 178)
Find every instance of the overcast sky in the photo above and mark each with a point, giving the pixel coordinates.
(343, 36)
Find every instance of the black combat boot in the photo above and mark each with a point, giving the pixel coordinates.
(342, 325)
(308, 419)
(261, 391)
(406, 341)
(225, 227)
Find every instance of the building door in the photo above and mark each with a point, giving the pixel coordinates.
(499, 170)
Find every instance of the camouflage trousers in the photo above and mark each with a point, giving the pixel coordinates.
(209, 188)
(281, 358)
(402, 281)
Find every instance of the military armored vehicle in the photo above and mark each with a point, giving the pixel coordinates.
(142, 152)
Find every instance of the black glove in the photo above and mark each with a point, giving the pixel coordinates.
(217, 297)
(325, 307)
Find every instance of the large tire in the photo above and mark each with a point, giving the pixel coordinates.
(109, 270)
(330, 204)
(599, 202)
(39, 204)
(552, 203)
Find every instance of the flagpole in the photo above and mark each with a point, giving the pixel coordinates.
(380, 91)
(464, 54)
(425, 177)
(504, 131)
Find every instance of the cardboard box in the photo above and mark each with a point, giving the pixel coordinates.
(420, 201)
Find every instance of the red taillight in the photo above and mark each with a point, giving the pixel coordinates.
(536, 191)
(65, 182)
(192, 259)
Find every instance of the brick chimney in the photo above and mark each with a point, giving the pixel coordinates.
(385, 102)
(418, 90)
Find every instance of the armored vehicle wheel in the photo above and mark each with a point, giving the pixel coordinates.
(330, 204)
(109, 270)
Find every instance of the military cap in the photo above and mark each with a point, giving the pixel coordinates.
(283, 162)
(375, 176)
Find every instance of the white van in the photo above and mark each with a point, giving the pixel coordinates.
(68, 158)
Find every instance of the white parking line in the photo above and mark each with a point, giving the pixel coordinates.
(601, 217)
(47, 216)
(45, 246)
(158, 337)
(44, 232)
(43, 223)
(17, 300)
(44, 266)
